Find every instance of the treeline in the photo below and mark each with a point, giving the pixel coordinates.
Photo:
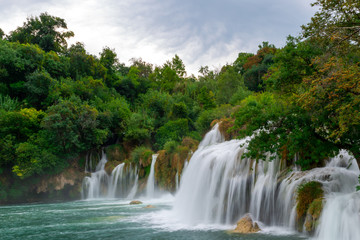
(58, 101)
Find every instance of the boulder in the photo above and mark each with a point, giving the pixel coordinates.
(134, 202)
(246, 225)
(149, 206)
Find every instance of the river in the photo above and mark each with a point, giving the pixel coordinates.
(112, 219)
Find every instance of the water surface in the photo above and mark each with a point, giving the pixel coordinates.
(111, 219)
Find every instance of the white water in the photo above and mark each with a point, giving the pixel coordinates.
(340, 218)
(219, 187)
(150, 186)
(121, 183)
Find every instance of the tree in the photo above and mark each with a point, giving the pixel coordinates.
(171, 131)
(2, 34)
(257, 66)
(47, 31)
(281, 128)
(335, 24)
(291, 64)
(73, 126)
(108, 59)
(38, 86)
(333, 100)
(227, 82)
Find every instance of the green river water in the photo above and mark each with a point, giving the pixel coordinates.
(111, 219)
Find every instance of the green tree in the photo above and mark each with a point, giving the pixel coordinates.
(47, 31)
(38, 86)
(282, 128)
(171, 131)
(332, 99)
(291, 64)
(335, 25)
(73, 126)
(2, 34)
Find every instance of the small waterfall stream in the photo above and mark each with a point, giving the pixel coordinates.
(150, 186)
(122, 183)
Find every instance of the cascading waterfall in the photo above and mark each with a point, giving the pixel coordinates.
(122, 183)
(340, 217)
(177, 180)
(150, 186)
(220, 186)
(95, 186)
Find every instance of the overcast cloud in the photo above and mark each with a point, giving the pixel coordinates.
(201, 32)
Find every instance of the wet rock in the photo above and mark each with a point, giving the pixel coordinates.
(110, 165)
(308, 194)
(149, 206)
(134, 202)
(313, 215)
(246, 225)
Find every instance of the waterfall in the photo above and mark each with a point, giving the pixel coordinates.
(177, 180)
(95, 186)
(220, 185)
(150, 186)
(122, 183)
(340, 218)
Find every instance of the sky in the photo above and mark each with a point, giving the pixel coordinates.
(200, 32)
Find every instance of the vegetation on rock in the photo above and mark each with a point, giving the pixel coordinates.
(309, 202)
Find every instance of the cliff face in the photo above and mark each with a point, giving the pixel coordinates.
(63, 186)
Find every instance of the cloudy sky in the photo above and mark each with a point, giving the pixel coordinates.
(201, 32)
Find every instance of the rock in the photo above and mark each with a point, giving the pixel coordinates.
(246, 225)
(313, 215)
(149, 206)
(110, 165)
(135, 202)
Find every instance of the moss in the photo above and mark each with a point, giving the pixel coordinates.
(110, 165)
(313, 215)
(191, 143)
(115, 152)
(307, 193)
(142, 156)
(226, 127)
(170, 146)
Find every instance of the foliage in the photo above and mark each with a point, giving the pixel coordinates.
(335, 25)
(46, 31)
(172, 130)
(8, 104)
(282, 129)
(206, 117)
(333, 97)
(141, 155)
(291, 64)
(170, 146)
(73, 126)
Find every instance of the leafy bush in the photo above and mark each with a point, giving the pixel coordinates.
(8, 104)
(170, 146)
(141, 155)
(172, 130)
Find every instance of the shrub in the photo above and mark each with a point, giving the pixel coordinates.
(170, 146)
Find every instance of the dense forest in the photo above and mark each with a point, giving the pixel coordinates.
(58, 102)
